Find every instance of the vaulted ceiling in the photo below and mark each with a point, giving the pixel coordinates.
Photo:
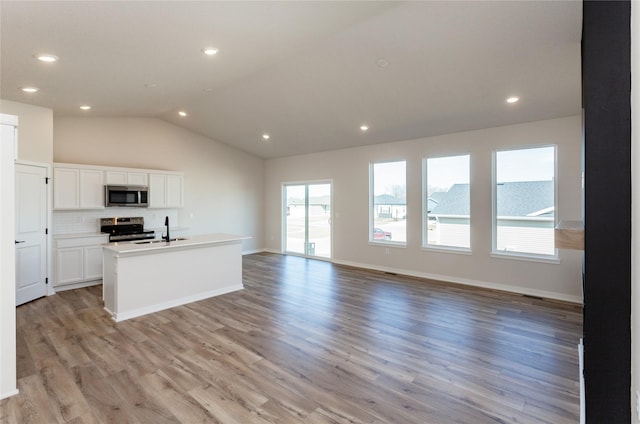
(308, 73)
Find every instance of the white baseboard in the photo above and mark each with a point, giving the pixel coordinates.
(449, 279)
(9, 394)
(252, 251)
(117, 317)
(73, 286)
(468, 282)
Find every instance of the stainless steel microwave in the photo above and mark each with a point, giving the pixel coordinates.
(117, 195)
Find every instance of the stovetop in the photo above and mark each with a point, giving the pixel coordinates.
(125, 229)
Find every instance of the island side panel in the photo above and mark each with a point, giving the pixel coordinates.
(109, 281)
(167, 278)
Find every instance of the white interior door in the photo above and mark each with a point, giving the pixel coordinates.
(31, 228)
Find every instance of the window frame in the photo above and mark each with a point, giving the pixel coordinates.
(371, 240)
(425, 207)
(534, 257)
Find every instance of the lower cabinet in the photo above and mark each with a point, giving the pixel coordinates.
(92, 260)
(78, 260)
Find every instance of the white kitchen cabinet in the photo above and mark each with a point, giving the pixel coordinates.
(78, 188)
(165, 190)
(66, 194)
(78, 259)
(91, 189)
(69, 266)
(92, 262)
(126, 178)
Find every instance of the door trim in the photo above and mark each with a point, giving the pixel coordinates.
(283, 219)
(49, 238)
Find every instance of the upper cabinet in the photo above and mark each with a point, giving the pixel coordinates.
(66, 188)
(126, 178)
(82, 186)
(165, 190)
(78, 188)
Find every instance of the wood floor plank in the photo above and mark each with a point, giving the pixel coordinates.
(106, 403)
(183, 406)
(32, 406)
(305, 342)
(62, 390)
(137, 403)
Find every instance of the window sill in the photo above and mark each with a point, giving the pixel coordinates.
(445, 249)
(547, 259)
(399, 244)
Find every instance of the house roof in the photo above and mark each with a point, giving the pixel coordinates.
(313, 201)
(432, 202)
(453, 202)
(521, 198)
(387, 199)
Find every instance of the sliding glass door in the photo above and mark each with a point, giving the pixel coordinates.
(307, 219)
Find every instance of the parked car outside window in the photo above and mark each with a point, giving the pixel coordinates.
(380, 234)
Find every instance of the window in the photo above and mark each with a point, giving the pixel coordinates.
(446, 204)
(524, 201)
(388, 200)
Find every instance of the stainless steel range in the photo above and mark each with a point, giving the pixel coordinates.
(125, 229)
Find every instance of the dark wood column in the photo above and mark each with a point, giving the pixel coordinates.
(606, 46)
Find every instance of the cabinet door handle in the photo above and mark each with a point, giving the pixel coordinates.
(20, 241)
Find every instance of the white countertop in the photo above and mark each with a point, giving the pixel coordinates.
(191, 242)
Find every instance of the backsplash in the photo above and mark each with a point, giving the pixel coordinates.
(88, 221)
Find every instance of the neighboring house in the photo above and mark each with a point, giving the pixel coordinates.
(388, 206)
(317, 206)
(434, 199)
(525, 211)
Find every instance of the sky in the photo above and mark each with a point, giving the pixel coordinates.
(388, 174)
(536, 164)
(533, 164)
(528, 164)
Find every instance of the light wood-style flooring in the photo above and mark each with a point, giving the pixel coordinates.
(306, 341)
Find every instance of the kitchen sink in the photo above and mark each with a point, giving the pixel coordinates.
(159, 240)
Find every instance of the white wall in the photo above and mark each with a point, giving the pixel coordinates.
(349, 171)
(7, 261)
(223, 186)
(635, 210)
(35, 135)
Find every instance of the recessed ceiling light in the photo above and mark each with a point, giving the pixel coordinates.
(266, 136)
(513, 99)
(382, 63)
(210, 51)
(85, 107)
(182, 113)
(29, 89)
(45, 57)
(364, 127)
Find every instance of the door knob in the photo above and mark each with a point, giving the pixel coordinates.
(20, 241)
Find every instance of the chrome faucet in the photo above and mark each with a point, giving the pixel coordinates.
(166, 222)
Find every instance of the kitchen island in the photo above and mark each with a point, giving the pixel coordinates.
(149, 276)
